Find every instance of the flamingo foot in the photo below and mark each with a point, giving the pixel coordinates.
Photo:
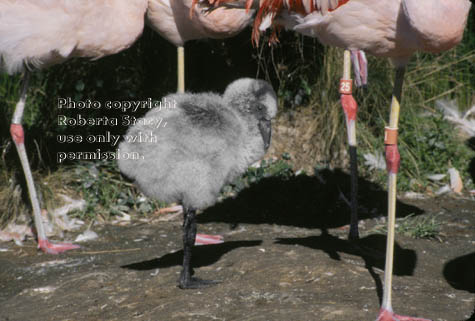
(52, 248)
(387, 315)
(205, 239)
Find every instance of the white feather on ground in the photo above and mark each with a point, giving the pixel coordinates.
(456, 184)
(55, 223)
(375, 161)
(453, 115)
(87, 235)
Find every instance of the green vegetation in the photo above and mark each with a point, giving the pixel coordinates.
(106, 192)
(426, 226)
(266, 168)
(428, 143)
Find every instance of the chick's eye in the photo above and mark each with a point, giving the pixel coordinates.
(259, 107)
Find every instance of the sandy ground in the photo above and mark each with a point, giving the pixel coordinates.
(285, 257)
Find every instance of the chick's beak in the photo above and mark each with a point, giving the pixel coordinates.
(266, 130)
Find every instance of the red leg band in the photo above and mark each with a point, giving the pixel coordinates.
(16, 130)
(393, 158)
(349, 106)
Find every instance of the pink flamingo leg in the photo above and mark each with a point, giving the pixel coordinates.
(392, 164)
(360, 64)
(350, 108)
(17, 133)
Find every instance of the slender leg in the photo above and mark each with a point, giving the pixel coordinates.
(181, 69)
(16, 130)
(350, 108)
(392, 164)
(189, 236)
(360, 67)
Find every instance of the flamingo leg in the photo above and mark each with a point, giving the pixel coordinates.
(189, 237)
(17, 133)
(350, 108)
(392, 164)
(360, 67)
(181, 69)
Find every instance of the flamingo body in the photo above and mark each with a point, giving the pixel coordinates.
(178, 23)
(40, 33)
(394, 29)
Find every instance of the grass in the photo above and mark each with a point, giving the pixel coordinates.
(428, 143)
(419, 227)
(280, 167)
(426, 226)
(107, 193)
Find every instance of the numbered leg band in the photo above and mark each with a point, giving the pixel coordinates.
(393, 158)
(346, 86)
(390, 136)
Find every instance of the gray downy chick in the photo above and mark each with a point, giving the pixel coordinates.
(203, 142)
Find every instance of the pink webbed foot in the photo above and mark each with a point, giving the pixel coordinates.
(52, 248)
(204, 239)
(386, 315)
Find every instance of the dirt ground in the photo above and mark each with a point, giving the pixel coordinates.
(285, 257)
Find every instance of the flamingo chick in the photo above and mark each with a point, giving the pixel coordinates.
(206, 141)
(41, 33)
(178, 22)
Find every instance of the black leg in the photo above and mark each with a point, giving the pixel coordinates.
(354, 235)
(189, 236)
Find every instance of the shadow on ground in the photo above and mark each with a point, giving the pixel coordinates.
(304, 201)
(202, 256)
(460, 272)
(471, 166)
(372, 249)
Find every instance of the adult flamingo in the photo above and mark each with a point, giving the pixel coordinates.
(384, 28)
(349, 105)
(41, 33)
(178, 22)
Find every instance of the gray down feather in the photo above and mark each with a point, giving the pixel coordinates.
(204, 142)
